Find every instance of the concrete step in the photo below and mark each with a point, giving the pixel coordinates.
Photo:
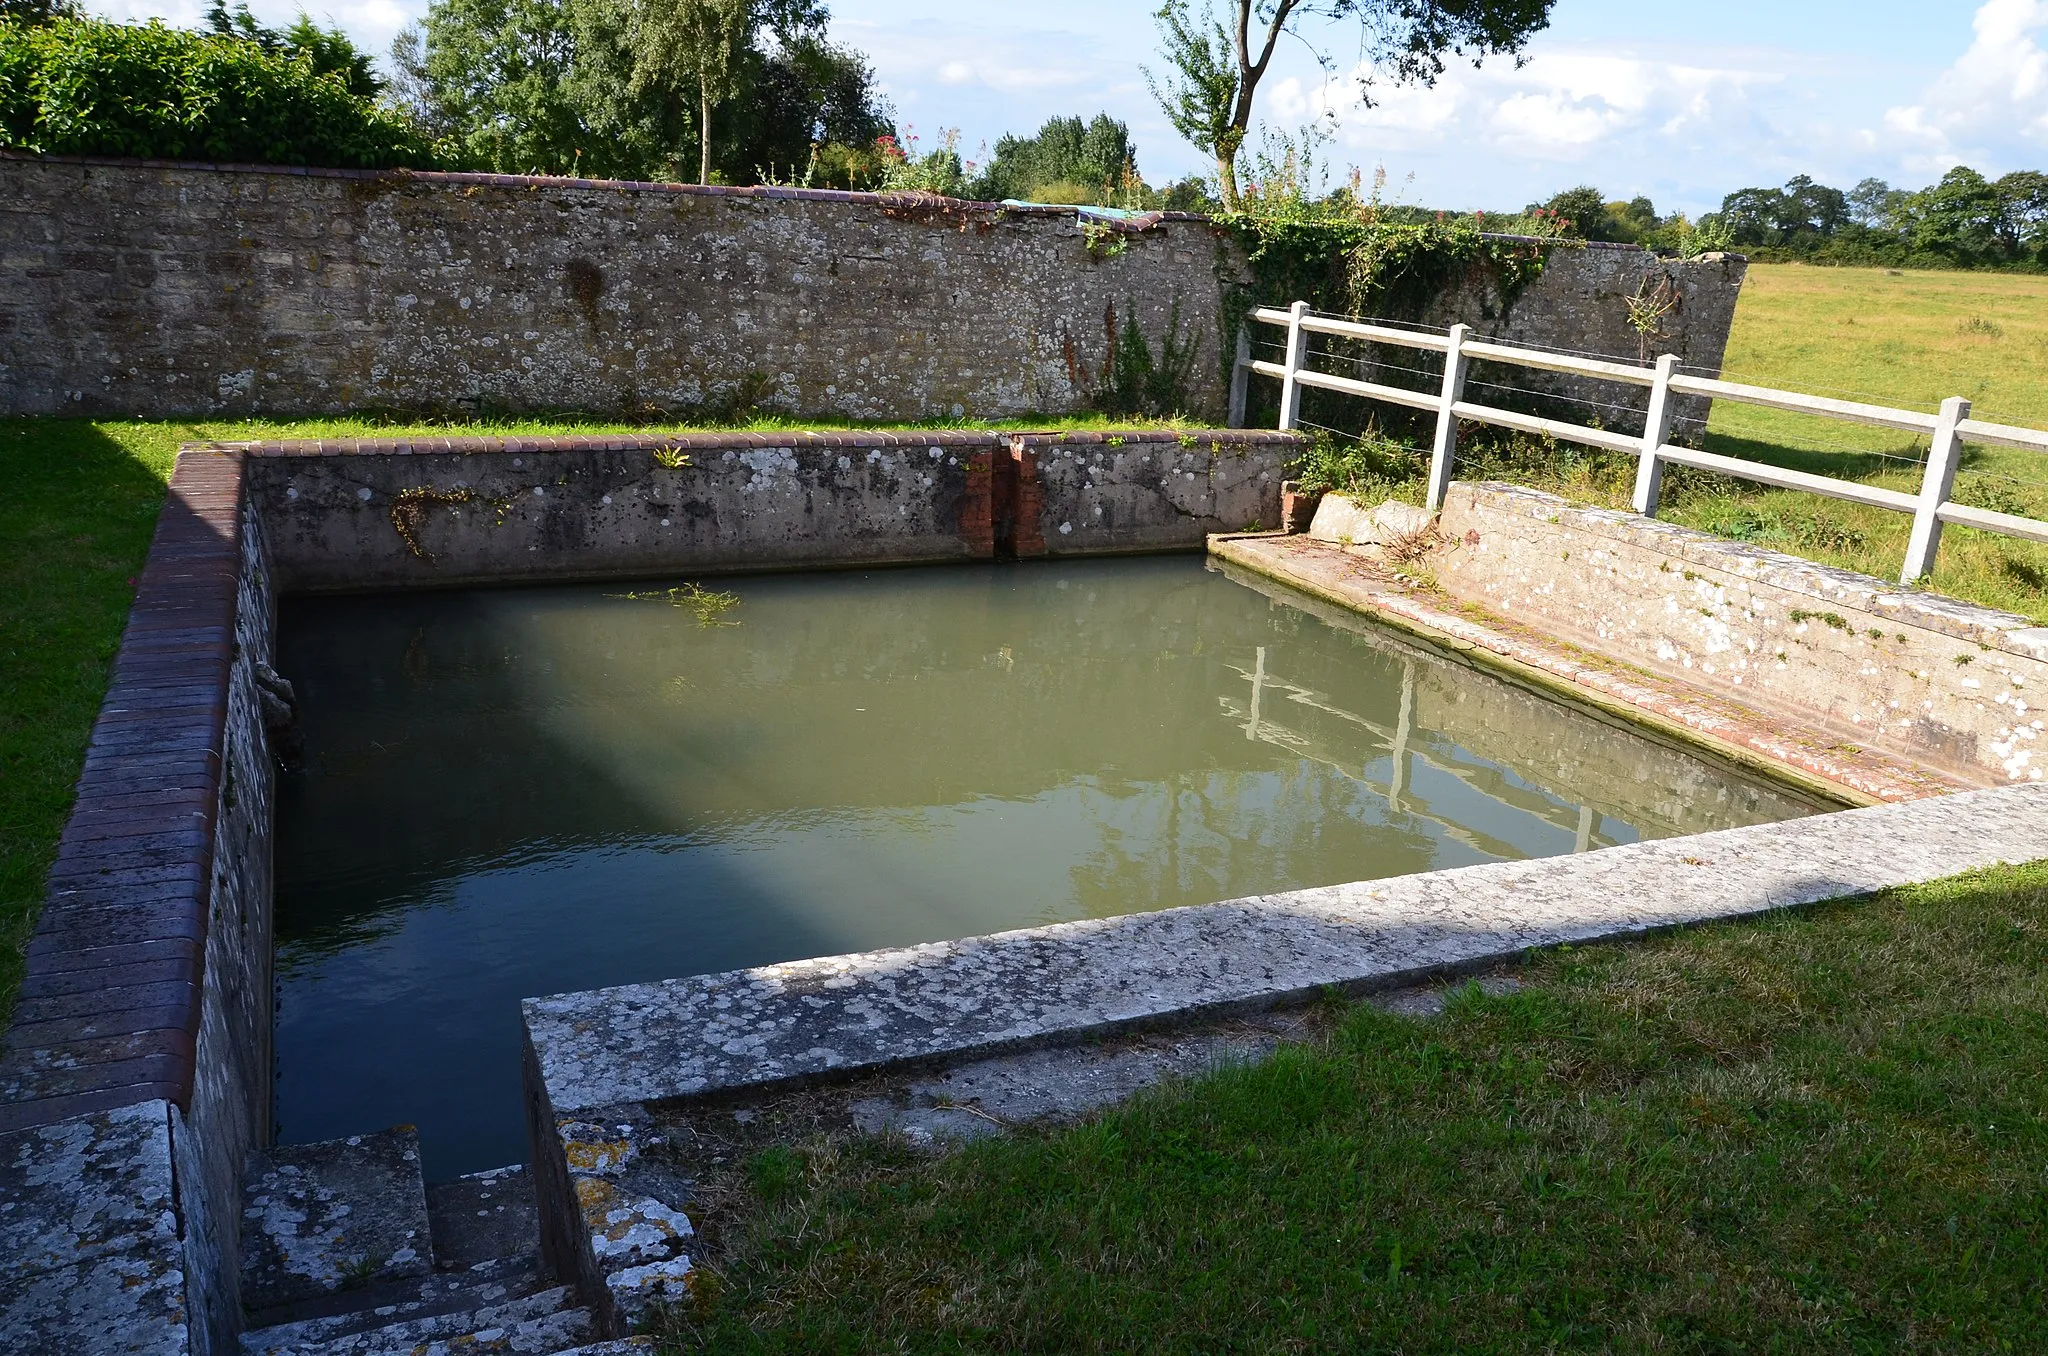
(313, 1323)
(542, 1324)
(483, 1216)
(320, 1219)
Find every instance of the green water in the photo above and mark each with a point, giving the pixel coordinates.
(511, 793)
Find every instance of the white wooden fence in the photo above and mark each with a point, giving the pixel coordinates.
(1931, 508)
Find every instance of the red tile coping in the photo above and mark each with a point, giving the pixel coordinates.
(108, 1012)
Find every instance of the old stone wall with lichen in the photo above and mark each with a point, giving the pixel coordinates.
(153, 290)
(139, 290)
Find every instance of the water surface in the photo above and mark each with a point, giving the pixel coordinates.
(517, 792)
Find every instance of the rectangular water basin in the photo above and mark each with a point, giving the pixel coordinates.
(515, 792)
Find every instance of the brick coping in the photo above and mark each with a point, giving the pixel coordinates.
(108, 1012)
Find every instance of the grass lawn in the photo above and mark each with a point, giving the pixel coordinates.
(1825, 1131)
(80, 504)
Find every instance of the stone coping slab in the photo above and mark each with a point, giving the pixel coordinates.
(776, 438)
(943, 1001)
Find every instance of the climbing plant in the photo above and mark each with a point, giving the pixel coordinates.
(1352, 262)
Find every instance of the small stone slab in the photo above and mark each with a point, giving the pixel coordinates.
(132, 1302)
(90, 1258)
(483, 1216)
(86, 1188)
(320, 1218)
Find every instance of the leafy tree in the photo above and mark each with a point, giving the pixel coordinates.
(86, 87)
(1875, 204)
(1584, 210)
(329, 50)
(1093, 156)
(562, 86)
(692, 42)
(1214, 68)
(34, 13)
(2023, 211)
(1957, 218)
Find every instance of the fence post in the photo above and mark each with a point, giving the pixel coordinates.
(1297, 352)
(1445, 451)
(1656, 433)
(1943, 453)
(1240, 375)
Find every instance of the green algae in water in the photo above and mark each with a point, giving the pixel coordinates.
(510, 793)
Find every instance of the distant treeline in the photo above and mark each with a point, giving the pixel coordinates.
(1964, 221)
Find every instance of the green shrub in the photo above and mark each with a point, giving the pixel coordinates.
(86, 87)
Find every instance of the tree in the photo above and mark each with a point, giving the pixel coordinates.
(1584, 210)
(692, 42)
(2022, 211)
(1957, 218)
(34, 13)
(1875, 204)
(1214, 68)
(329, 50)
(1075, 157)
(87, 87)
(560, 86)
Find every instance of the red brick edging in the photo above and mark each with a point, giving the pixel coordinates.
(108, 1013)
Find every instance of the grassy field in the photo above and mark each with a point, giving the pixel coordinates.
(81, 501)
(1907, 339)
(1821, 1132)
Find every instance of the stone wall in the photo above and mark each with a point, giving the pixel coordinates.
(361, 515)
(1581, 305)
(1944, 683)
(139, 290)
(150, 290)
(142, 1039)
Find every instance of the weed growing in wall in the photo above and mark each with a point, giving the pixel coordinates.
(1129, 379)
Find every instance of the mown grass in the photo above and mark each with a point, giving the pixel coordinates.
(1823, 1131)
(80, 503)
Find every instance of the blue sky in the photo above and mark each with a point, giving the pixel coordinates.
(1680, 102)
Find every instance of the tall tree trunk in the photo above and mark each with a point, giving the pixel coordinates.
(704, 133)
(1226, 180)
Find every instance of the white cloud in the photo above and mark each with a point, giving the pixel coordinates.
(1568, 105)
(1990, 107)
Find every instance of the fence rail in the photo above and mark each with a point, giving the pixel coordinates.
(1930, 508)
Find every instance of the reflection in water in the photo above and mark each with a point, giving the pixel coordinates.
(521, 792)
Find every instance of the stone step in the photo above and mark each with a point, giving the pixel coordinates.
(314, 1322)
(482, 1216)
(320, 1219)
(542, 1324)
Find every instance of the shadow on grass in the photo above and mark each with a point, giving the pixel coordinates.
(77, 516)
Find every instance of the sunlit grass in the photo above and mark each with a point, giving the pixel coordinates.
(1820, 1132)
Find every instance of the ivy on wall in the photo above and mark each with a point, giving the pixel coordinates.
(1357, 265)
